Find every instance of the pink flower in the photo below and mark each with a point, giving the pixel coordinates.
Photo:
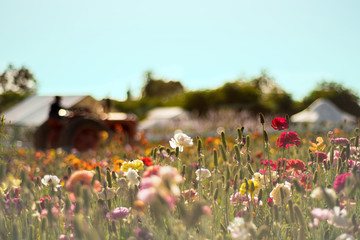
(322, 214)
(147, 195)
(288, 139)
(206, 210)
(340, 181)
(340, 141)
(237, 198)
(270, 202)
(279, 123)
(118, 213)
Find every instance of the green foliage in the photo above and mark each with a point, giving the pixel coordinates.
(10, 98)
(158, 88)
(15, 85)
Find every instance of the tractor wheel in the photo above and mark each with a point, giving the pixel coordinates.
(82, 134)
(41, 136)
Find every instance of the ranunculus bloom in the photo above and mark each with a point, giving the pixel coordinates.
(152, 170)
(190, 195)
(118, 213)
(253, 188)
(279, 123)
(340, 141)
(339, 182)
(288, 139)
(135, 165)
(147, 161)
(276, 193)
(202, 173)
(296, 164)
(51, 179)
(132, 176)
(318, 193)
(83, 177)
(181, 140)
(320, 156)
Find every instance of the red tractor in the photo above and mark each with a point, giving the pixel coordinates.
(82, 130)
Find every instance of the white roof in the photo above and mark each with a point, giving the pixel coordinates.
(322, 110)
(34, 110)
(162, 116)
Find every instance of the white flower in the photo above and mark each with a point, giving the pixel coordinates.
(202, 173)
(345, 236)
(339, 218)
(276, 193)
(239, 229)
(132, 176)
(181, 140)
(51, 179)
(318, 193)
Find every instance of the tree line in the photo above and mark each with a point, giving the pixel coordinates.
(259, 94)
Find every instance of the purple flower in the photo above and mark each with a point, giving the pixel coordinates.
(142, 234)
(118, 213)
(340, 141)
(13, 204)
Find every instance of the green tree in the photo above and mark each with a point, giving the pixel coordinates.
(15, 85)
(158, 88)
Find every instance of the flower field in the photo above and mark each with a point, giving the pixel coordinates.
(273, 184)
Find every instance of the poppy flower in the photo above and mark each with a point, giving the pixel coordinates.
(279, 123)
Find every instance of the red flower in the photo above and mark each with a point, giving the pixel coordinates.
(266, 162)
(279, 165)
(296, 164)
(339, 182)
(270, 202)
(320, 156)
(152, 170)
(305, 180)
(147, 161)
(279, 123)
(288, 139)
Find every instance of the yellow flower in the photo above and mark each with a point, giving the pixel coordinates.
(125, 166)
(318, 146)
(253, 186)
(135, 165)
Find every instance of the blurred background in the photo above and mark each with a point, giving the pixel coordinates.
(201, 60)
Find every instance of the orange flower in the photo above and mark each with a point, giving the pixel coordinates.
(84, 178)
(139, 206)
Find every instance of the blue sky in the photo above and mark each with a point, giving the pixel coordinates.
(104, 47)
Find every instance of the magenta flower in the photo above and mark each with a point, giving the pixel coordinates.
(340, 181)
(288, 139)
(279, 123)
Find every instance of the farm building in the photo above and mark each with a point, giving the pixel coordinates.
(34, 110)
(323, 113)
